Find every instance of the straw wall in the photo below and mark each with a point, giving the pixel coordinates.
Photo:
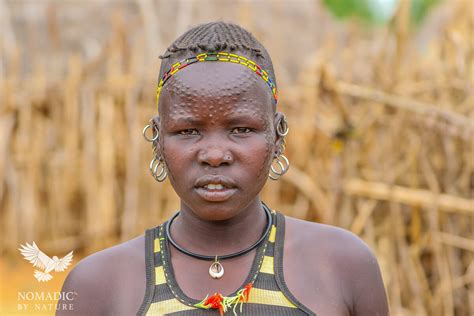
(381, 131)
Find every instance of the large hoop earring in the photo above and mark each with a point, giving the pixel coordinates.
(151, 125)
(158, 169)
(283, 165)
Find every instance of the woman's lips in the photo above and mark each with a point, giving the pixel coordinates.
(215, 195)
(214, 180)
(215, 188)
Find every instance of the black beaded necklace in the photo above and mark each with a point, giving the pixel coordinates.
(216, 270)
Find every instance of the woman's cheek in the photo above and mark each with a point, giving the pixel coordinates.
(175, 159)
(261, 159)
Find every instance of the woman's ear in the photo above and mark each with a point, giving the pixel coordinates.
(156, 131)
(279, 123)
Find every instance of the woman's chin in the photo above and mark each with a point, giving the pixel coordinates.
(215, 211)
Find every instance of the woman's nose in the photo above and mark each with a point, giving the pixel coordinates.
(215, 156)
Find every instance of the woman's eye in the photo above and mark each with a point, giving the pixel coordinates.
(241, 130)
(189, 131)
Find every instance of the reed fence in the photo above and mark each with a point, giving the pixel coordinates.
(381, 131)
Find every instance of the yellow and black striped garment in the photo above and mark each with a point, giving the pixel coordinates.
(269, 295)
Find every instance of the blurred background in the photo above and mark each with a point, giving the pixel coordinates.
(380, 102)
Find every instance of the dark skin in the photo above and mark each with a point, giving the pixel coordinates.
(219, 119)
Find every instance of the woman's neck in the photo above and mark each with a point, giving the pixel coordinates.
(219, 237)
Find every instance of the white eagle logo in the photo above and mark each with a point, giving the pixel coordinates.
(39, 259)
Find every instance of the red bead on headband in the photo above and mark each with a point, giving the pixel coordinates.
(221, 56)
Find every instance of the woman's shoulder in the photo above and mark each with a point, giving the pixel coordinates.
(345, 261)
(100, 278)
(111, 260)
(334, 241)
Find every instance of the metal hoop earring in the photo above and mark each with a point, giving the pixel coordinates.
(282, 127)
(275, 174)
(158, 169)
(151, 125)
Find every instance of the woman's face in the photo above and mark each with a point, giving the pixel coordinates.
(217, 137)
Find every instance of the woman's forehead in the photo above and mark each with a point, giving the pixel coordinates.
(202, 77)
(220, 84)
(216, 79)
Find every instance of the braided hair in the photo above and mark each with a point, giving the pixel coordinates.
(216, 37)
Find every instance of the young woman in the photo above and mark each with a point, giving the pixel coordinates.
(218, 138)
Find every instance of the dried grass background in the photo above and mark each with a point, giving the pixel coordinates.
(381, 130)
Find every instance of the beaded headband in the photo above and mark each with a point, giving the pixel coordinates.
(221, 56)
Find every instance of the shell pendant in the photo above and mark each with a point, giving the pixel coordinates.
(216, 270)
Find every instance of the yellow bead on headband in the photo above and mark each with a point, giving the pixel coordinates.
(221, 56)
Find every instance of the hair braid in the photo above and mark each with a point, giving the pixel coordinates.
(214, 37)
